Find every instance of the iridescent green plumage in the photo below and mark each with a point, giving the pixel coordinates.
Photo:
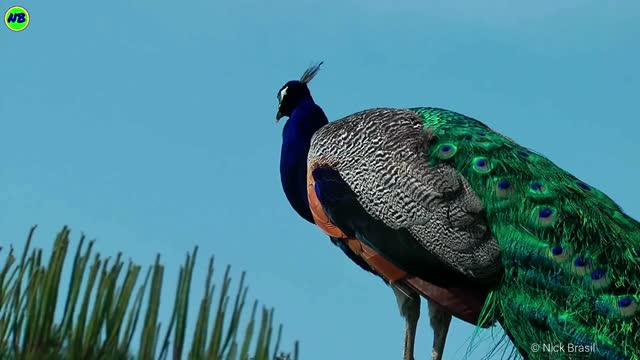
(571, 256)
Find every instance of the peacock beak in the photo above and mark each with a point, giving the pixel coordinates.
(279, 116)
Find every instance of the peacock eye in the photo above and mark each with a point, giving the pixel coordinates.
(583, 185)
(557, 250)
(545, 216)
(581, 266)
(504, 188)
(560, 254)
(627, 306)
(536, 186)
(446, 151)
(481, 165)
(580, 262)
(599, 279)
(625, 302)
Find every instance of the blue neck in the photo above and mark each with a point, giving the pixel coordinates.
(304, 121)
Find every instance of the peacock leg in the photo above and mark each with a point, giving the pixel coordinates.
(440, 321)
(409, 304)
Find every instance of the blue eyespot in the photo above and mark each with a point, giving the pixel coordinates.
(545, 216)
(560, 254)
(583, 185)
(625, 302)
(580, 266)
(447, 151)
(481, 165)
(545, 213)
(557, 250)
(580, 262)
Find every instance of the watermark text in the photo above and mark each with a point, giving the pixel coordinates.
(563, 348)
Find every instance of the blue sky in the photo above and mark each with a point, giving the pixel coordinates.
(149, 126)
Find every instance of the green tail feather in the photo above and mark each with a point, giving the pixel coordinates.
(571, 255)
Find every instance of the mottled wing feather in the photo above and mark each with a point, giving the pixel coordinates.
(434, 214)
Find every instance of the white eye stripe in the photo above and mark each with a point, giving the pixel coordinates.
(283, 92)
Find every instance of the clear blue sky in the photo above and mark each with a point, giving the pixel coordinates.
(149, 126)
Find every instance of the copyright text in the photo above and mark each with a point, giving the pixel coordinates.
(563, 348)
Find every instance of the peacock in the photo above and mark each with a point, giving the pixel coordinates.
(440, 206)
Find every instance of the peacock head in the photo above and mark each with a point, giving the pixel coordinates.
(294, 91)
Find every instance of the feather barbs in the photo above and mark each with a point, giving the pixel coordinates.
(310, 73)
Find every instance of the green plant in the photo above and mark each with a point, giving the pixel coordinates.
(105, 302)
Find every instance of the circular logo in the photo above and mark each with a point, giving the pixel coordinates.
(16, 18)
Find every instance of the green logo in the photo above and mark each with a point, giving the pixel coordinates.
(16, 18)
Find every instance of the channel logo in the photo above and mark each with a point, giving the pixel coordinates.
(16, 18)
